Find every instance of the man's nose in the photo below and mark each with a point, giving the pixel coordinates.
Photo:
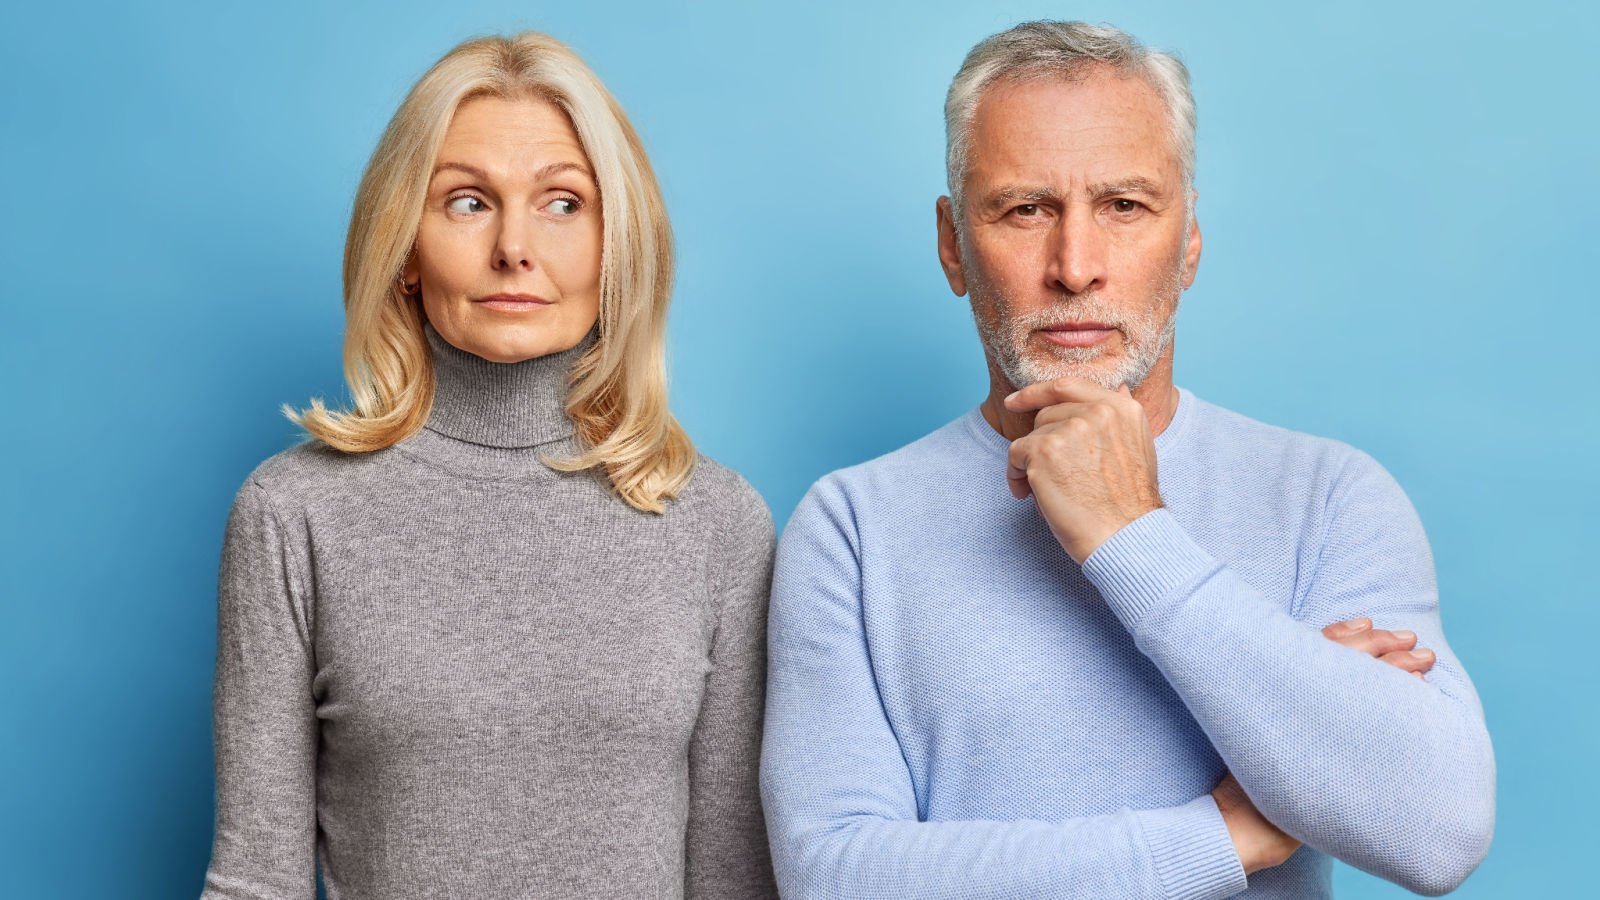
(1078, 252)
(513, 248)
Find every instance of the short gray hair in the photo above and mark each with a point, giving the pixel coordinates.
(1066, 49)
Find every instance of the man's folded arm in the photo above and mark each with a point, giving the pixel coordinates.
(841, 808)
(1388, 772)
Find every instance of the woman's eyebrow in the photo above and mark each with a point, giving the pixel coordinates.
(474, 171)
(543, 173)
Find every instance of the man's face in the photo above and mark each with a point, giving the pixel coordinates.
(1075, 241)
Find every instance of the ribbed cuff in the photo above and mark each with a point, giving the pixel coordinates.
(1194, 857)
(1149, 559)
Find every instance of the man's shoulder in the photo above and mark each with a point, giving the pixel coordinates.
(930, 468)
(1220, 432)
(1227, 441)
(951, 447)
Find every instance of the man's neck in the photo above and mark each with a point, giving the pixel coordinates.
(1156, 394)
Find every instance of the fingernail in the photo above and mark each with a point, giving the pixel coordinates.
(1406, 635)
(1355, 625)
(1422, 654)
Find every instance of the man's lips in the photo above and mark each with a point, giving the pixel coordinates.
(512, 302)
(1077, 334)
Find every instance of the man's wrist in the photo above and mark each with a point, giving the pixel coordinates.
(1085, 548)
(1193, 853)
(1144, 562)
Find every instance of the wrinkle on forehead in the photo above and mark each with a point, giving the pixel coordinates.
(1074, 135)
(513, 137)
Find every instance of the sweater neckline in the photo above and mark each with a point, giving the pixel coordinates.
(1170, 438)
(500, 405)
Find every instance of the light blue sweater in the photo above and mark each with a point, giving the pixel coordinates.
(956, 709)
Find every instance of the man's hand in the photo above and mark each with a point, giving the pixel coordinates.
(1090, 461)
(1393, 647)
(1261, 844)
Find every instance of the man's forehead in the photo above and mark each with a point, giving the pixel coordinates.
(1073, 133)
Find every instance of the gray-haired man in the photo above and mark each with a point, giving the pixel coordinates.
(976, 694)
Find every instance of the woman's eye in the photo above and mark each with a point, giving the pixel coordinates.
(563, 206)
(464, 204)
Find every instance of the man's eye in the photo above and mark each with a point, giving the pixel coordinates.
(563, 206)
(464, 204)
(1027, 209)
(1124, 206)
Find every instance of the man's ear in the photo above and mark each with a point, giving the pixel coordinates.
(949, 249)
(1191, 252)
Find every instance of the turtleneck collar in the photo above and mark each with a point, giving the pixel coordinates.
(520, 404)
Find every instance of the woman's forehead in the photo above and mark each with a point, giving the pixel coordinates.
(511, 138)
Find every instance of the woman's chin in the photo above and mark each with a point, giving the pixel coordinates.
(513, 342)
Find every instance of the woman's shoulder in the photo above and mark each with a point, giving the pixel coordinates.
(310, 471)
(724, 499)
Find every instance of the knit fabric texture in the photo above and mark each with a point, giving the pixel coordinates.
(956, 709)
(446, 670)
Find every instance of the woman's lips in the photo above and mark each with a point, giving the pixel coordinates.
(1077, 335)
(513, 302)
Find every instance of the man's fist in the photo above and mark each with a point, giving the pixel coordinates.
(1090, 461)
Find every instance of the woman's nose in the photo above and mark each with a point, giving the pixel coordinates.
(513, 244)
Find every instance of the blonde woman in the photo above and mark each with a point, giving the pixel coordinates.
(496, 630)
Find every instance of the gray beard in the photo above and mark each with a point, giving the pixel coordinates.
(1006, 337)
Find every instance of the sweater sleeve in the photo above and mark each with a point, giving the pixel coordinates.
(263, 715)
(727, 855)
(839, 797)
(1390, 773)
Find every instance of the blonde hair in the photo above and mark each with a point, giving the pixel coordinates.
(617, 396)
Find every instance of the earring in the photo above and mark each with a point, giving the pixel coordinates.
(407, 289)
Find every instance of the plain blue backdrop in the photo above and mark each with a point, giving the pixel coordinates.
(1396, 201)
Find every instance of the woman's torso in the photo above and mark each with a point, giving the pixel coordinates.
(508, 666)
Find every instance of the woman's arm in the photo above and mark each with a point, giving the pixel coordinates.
(263, 713)
(726, 847)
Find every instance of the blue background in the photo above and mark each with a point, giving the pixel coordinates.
(1395, 200)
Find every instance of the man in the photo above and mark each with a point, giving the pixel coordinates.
(1103, 683)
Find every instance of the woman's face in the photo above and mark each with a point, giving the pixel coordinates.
(508, 250)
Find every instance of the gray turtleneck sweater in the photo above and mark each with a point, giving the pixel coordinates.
(446, 670)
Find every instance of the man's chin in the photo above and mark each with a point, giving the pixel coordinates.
(1098, 372)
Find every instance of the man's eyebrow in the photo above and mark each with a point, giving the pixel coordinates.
(1013, 193)
(1134, 185)
(543, 173)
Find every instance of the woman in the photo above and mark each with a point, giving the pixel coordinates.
(497, 631)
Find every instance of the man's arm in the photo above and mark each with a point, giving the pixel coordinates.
(1323, 738)
(840, 806)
